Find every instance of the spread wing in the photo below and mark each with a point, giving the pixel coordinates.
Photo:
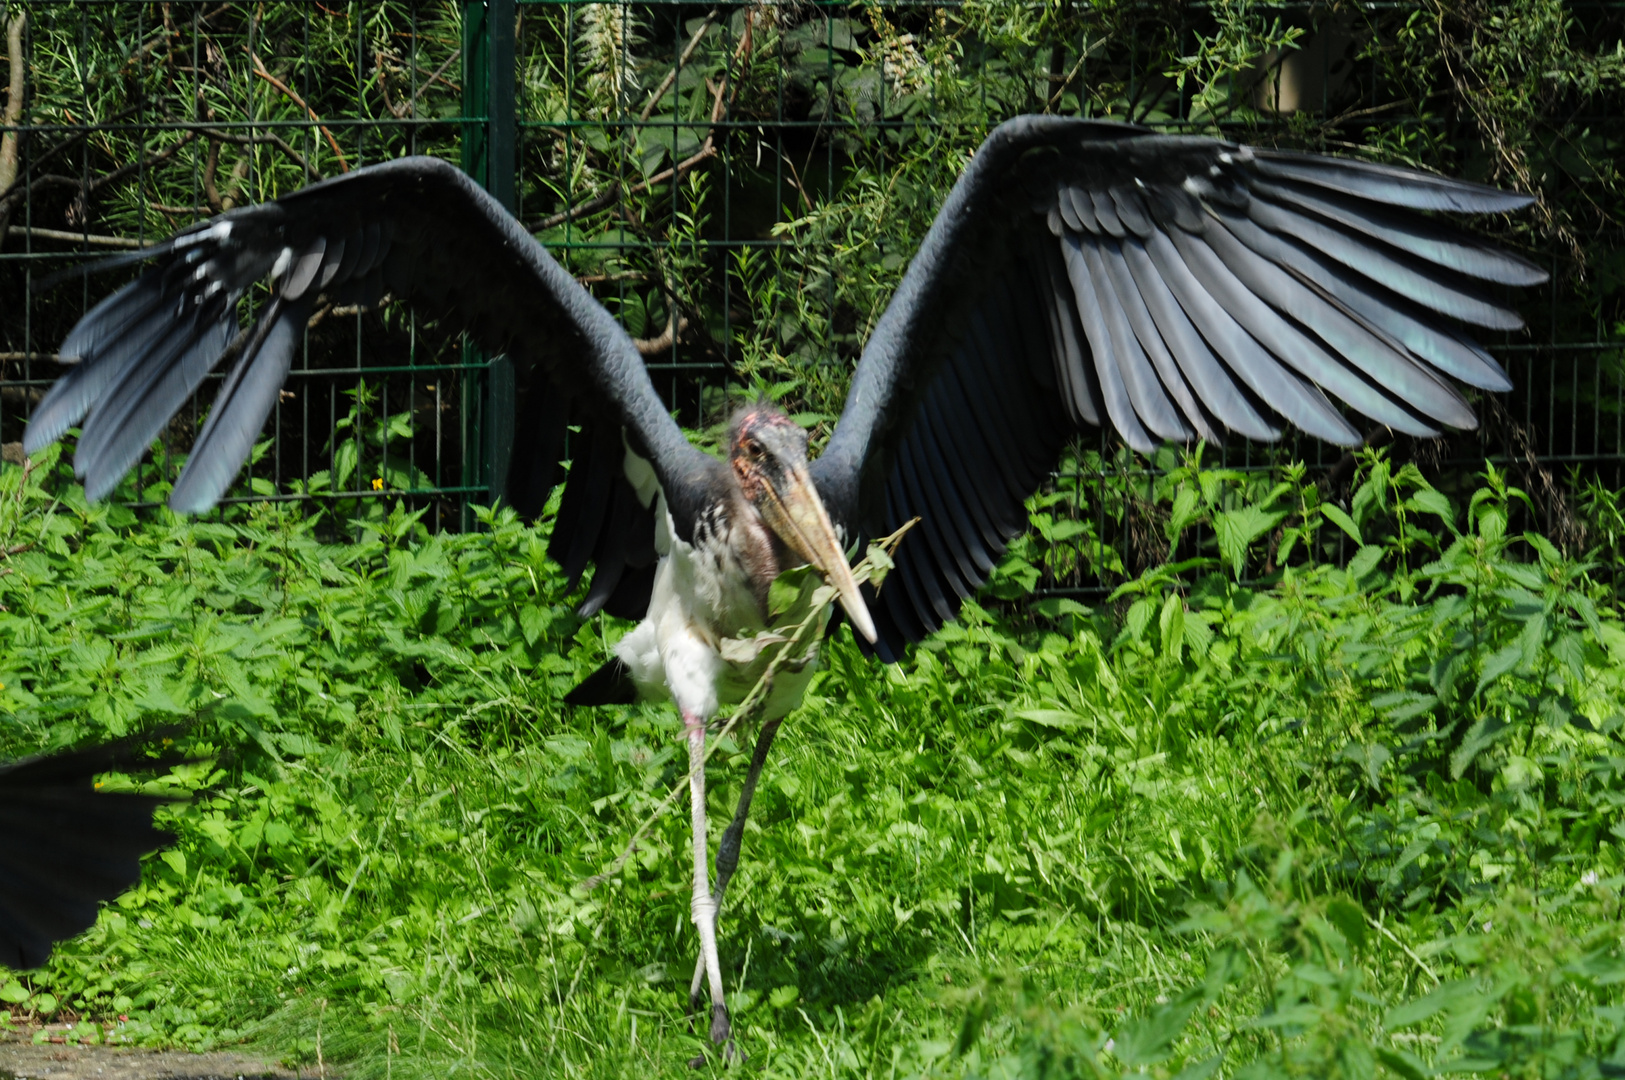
(1085, 272)
(420, 230)
(65, 847)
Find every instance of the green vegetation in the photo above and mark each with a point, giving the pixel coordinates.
(1332, 784)
(1343, 821)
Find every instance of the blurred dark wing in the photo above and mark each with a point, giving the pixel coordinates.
(420, 230)
(65, 847)
(1082, 272)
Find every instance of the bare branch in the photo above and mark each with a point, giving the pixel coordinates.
(210, 192)
(76, 238)
(403, 110)
(658, 346)
(141, 163)
(671, 76)
(269, 138)
(259, 69)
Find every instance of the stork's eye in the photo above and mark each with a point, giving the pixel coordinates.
(753, 449)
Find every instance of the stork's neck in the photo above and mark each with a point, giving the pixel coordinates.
(756, 548)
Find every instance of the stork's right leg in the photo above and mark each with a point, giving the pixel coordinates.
(728, 849)
(704, 905)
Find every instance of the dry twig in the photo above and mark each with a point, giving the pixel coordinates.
(14, 101)
(259, 69)
(403, 110)
(269, 138)
(76, 238)
(708, 149)
(671, 76)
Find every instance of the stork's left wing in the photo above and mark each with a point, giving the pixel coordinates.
(1084, 271)
(66, 846)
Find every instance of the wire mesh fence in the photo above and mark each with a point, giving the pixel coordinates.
(742, 184)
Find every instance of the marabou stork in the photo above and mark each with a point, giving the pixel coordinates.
(1079, 272)
(66, 846)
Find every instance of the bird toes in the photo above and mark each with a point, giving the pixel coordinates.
(721, 1029)
(721, 1035)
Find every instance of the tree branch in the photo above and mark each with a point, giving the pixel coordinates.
(14, 102)
(12, 116)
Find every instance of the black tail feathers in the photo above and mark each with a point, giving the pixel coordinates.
(610, 685)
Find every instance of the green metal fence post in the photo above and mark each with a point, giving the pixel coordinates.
(489, 136)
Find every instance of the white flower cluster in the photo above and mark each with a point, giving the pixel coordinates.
(606, 37)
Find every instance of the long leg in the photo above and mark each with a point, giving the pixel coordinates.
(728, 849)
(704, 906)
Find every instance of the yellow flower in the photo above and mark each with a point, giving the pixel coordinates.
(378, 485)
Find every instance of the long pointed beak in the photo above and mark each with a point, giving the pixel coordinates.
(794, 511)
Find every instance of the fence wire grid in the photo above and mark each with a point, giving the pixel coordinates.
(742, 184)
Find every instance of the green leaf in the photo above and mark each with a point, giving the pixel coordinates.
(1186, 509)
(13, 992)
(1349, 918)
(345, 460)
(1404, 1063)
(1200, 1070)
(1337, 517)
(789, 592)
(1171, 622)
(1365, 560)
(533, 622)
(1052, 718)
(1237, 529)
(1139, 617)
(1150, 1040)
(1430, 501)
(1371, 757)
(1503, 661)
(1447, 996)
(1480, 737)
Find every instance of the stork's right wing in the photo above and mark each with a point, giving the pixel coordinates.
(422, 231)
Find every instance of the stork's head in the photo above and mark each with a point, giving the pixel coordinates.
(768, 453)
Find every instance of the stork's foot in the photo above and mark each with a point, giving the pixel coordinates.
(721, 1029)
(721, 1036)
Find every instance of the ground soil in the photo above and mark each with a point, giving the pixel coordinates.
(23, 1059)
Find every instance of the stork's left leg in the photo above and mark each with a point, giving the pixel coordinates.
(728, 849)
(705, 905)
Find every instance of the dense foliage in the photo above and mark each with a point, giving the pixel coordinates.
(748, 211)
(1331, 785)
(1354, 819)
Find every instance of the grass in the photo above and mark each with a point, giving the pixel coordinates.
(1344, 822)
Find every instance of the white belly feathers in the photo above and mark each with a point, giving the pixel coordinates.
(702, 596)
